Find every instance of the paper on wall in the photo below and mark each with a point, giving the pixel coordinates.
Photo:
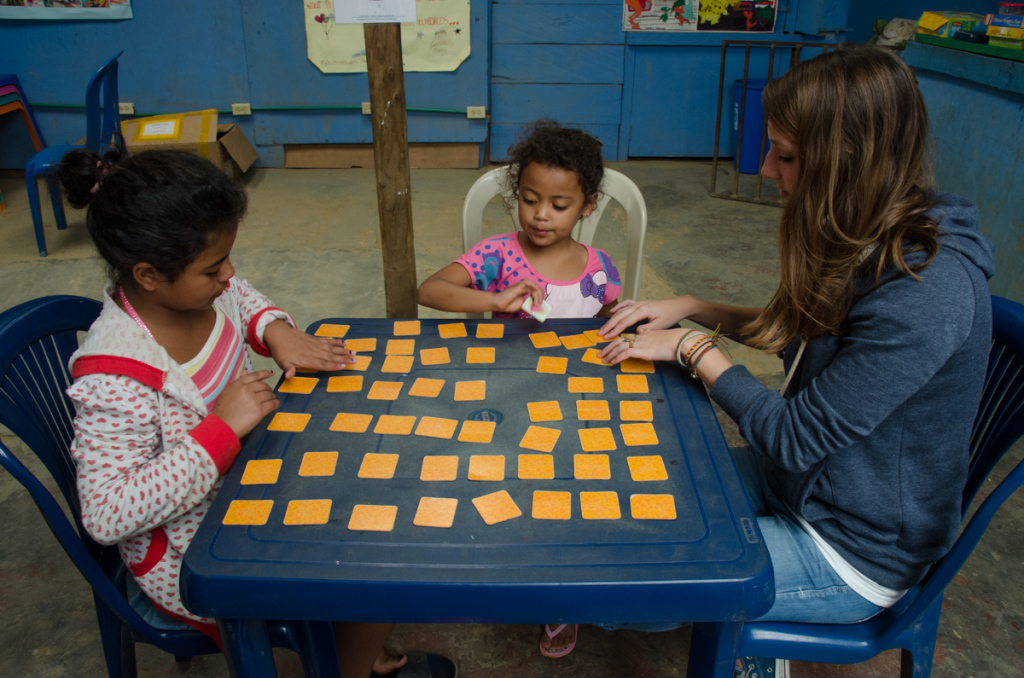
(374, 11)
(437, 41)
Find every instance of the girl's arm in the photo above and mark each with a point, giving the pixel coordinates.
(665, 313)
(272, 332)
(292, 348)
(450, 290)
(127, 482)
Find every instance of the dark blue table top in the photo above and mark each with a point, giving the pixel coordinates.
(709, 564)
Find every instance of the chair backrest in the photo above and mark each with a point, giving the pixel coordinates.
(102, 114)
(998, 425)
(1000, 420)
(36, 340)
(614, 185)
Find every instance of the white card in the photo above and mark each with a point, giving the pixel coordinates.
(158, 129)
(374, 11)
(541, 313)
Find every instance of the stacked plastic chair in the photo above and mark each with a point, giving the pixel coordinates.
(12, 98)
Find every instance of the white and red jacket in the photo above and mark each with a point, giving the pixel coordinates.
(150, 457)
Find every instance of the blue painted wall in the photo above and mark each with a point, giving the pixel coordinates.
(863, 13)
(560, 59)
(976, 109)
(194, 54)
(570, 60)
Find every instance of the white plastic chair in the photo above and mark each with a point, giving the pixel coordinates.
(614, 185)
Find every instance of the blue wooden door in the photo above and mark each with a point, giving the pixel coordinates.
(643, 94)
(559, 59)
(673, 94)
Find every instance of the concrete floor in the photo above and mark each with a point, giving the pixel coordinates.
(311, 243)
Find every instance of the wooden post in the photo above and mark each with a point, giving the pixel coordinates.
(391, 163)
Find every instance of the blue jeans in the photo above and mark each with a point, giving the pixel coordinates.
(807, 589)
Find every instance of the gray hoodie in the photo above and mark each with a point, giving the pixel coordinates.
(870, 442)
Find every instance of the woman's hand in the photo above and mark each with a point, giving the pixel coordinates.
(651, 345)
(291, 348)
(511, 299)
(658, 314)
(244, 402)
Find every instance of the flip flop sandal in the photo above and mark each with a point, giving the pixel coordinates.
(551, 634)
(423, 665)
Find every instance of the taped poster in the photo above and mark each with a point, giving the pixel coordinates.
(743, 16)
(66, 10)
(437, 41)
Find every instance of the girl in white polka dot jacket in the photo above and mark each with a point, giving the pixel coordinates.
(163, 385)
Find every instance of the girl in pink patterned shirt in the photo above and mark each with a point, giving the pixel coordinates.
(163, 386)
(555, 176)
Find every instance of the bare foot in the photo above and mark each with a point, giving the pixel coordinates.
(559, 644)
(388, 660)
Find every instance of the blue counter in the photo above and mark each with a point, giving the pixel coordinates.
(975, 104)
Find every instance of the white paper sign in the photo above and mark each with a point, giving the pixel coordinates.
(158, 129)
(374, 11)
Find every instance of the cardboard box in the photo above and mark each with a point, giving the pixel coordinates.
(943, 24)
(1005, 32)
(1008, 20)
(195, 132)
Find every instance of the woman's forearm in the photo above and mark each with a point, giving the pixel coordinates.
(729, 319)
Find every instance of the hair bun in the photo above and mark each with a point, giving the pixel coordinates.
(77, 174)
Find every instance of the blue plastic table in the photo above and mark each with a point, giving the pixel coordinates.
(708, 565)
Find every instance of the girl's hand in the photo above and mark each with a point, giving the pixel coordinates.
(651, 345)
(244, 402)
(511, 299)
(659, 315)
(291, 348)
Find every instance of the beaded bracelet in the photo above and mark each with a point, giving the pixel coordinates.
(693, 370)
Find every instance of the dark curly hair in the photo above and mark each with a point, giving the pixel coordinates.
(159, 207)
(568, 149)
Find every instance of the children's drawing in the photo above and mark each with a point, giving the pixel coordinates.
(660, 15)
(439, 39)
(64, 10)
(327, 21)
(737, 15)
(699, 15)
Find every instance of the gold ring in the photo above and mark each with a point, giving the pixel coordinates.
(631, 343)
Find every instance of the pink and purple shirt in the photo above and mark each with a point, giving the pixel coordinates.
(499, 261)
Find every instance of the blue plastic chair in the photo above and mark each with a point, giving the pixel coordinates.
(102, 121)
(913, 623)
(36, 340)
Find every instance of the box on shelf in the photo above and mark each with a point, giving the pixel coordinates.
(197, 132)
(943, 24)
(1012, 43)
(1005, 32)
(1008, 20)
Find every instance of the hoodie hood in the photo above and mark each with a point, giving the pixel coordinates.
(960, 234)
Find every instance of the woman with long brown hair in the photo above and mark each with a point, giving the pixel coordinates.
(882, 317)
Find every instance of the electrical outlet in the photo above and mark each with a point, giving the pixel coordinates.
(126, 108)
(366, 108)
(241, 109)
(476, 112)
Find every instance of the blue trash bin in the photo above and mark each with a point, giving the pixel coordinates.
(747, 160)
